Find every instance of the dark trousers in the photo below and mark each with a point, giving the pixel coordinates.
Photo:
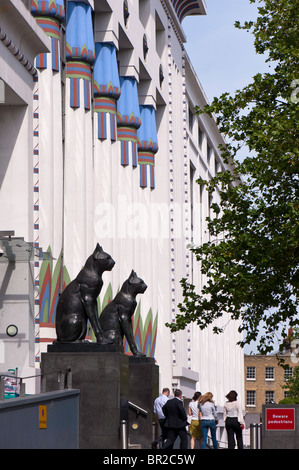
(163, 429)
(233, 429)
(172, 434)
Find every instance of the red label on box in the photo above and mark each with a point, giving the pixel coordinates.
(280, 419)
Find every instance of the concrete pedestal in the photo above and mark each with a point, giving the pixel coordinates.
(102, 376)
(143, 389)
(107, 379)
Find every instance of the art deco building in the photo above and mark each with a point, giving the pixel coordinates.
(100, 144)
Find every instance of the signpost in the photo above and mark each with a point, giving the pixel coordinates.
(280, 419)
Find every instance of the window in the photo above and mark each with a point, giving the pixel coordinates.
(269, 397)
(209, 154)
(269, 373)
(250, 398)
(250, 373)
(288, 373)
(191, 119)
(200, 137)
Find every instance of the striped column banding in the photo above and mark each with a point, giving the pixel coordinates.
(51, 27)
(75, 71)
(105, 107)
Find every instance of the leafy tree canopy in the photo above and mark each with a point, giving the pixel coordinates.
(251, 261)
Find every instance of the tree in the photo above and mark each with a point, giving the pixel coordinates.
(251, 261)
(292, 384)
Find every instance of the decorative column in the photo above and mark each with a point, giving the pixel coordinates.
(49, 15)
(78, 166)
(106, 90)
(80, 51)
(48, 170)
(147, 145)
(128, 120)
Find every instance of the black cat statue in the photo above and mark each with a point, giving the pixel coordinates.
(116, 318)
(78, 302)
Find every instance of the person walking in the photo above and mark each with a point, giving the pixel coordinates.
(195, 425)
(234, 420)
(209, 419)
(176, 421)
(158, 405)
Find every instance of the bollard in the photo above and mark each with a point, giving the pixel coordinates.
(255, 436)
(124, 434)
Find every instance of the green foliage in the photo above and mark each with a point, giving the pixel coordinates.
(251, 263)
(289, 401)
(292, 385)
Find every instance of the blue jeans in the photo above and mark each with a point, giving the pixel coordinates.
(207, 424)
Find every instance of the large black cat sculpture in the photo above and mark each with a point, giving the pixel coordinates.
(116, 318)
(78, 302)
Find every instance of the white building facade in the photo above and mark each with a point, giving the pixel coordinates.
(99, 144)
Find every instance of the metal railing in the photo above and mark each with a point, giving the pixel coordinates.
(137, 408)
(64, 381)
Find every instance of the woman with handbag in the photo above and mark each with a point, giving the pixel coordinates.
(234, 421)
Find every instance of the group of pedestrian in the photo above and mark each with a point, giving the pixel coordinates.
(203, 417)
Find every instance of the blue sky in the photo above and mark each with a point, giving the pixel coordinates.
(223, 57)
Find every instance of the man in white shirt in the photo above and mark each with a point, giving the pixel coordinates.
(158, 405)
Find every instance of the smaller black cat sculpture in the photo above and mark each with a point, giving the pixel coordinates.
(116, 318)
(78, 302)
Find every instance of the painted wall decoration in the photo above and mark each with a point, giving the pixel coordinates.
(128, 120)
(147, 145)
(106, 89)
(54, 276)
(49, 15)
(80, 51)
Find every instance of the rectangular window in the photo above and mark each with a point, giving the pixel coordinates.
(250, 373)
(269, 373)
(250, 398)
(200, 137)
(209, 154)
(191, 118)
(288, 373)
(269, 397)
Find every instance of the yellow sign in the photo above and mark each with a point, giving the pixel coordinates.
(42, 417)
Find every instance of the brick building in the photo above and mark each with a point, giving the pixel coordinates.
(264, 379)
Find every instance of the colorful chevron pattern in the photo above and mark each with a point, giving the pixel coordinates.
(80, 53)
(49, 8)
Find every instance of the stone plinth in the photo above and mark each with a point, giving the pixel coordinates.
(143, 389)
(101, 373)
